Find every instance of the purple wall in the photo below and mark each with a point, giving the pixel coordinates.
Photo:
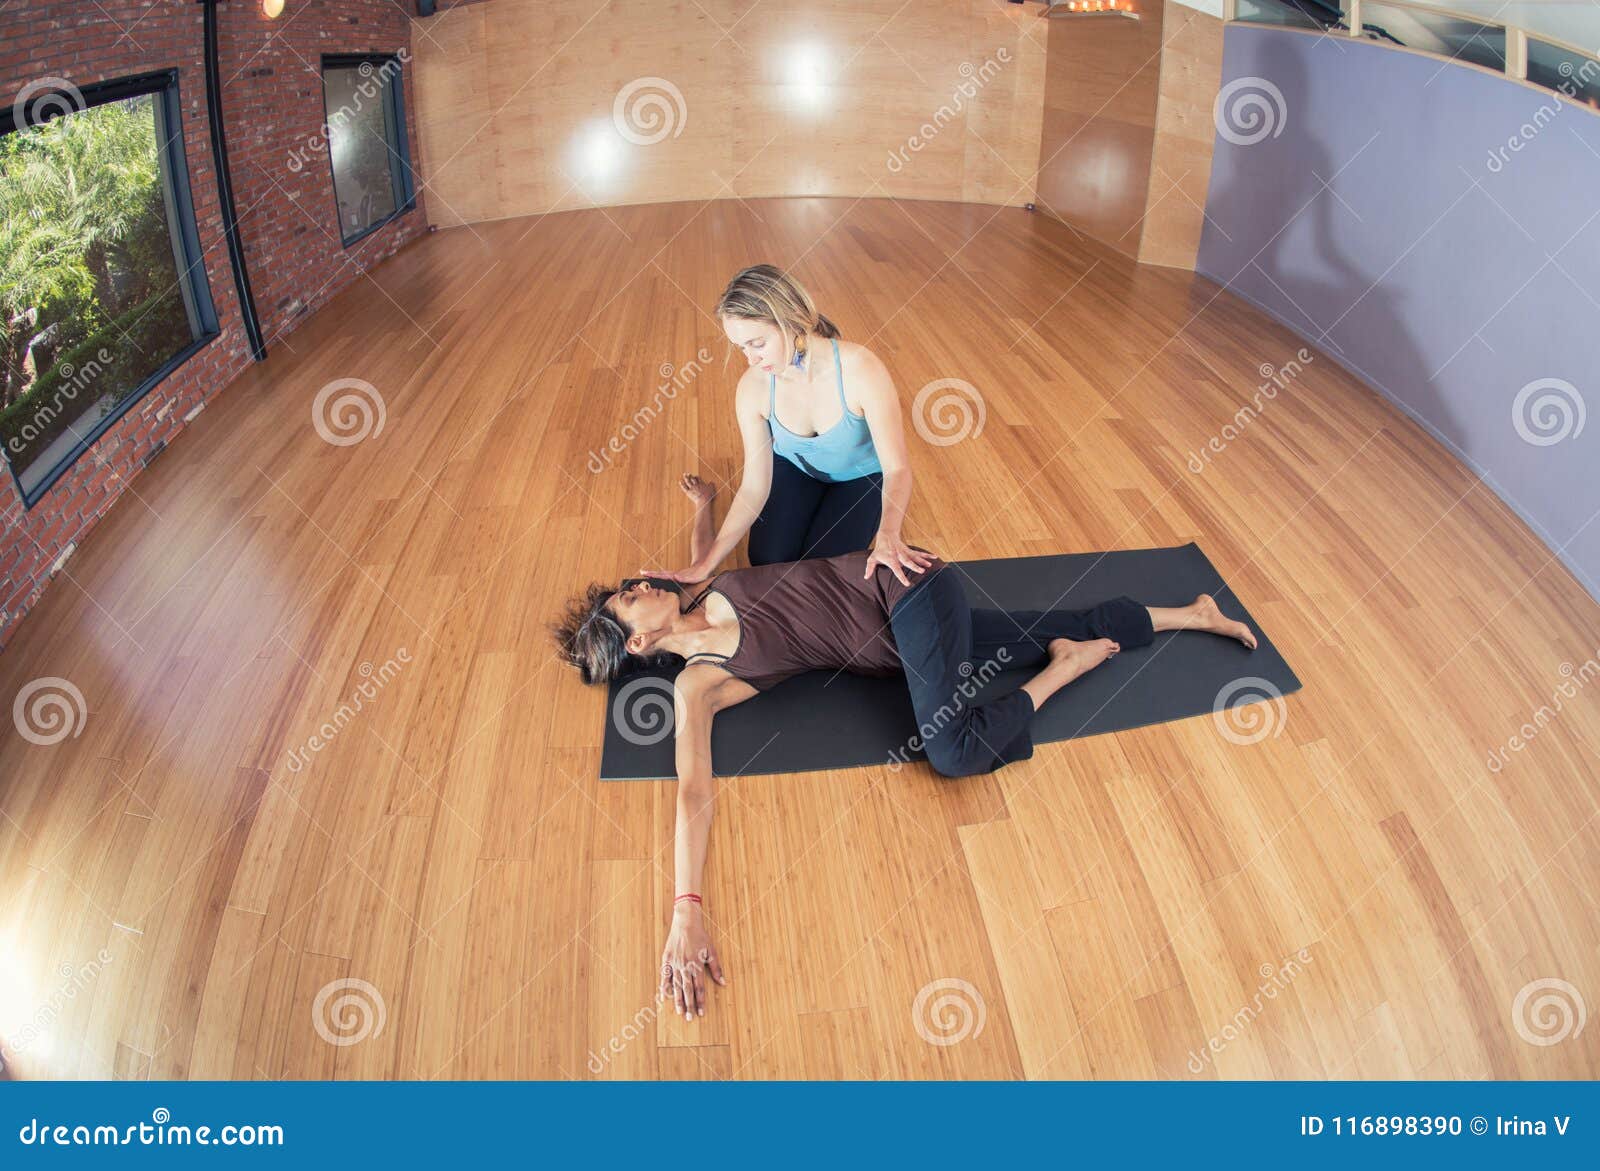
(1452, 260)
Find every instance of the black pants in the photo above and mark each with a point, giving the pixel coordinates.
(806, 517)
(948, 649)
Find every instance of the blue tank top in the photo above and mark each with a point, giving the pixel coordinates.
(842, 452)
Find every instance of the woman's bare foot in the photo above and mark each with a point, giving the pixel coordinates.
(1079, 658)
(1068, 660)
(702, 492)
(1207, 615)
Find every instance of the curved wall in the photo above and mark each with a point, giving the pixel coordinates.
(518, 114)
(1434, 227)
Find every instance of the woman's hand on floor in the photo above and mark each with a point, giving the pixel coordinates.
(686, 961)
(888, 549)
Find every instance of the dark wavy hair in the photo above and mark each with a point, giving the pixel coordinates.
(595, 641)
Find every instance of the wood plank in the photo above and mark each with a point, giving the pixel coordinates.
(1113, 899)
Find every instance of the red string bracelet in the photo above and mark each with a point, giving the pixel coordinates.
(694, 898)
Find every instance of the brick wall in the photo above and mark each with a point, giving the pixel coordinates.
(272, 100)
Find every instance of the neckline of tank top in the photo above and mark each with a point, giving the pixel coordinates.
(700, 597)
(844, 403)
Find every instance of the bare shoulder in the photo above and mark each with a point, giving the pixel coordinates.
(864, 371)
(750, 396)
(708, 687)
(697, 682)
(854, 355)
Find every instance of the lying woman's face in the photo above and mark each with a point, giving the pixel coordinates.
(761, 341)
(644, 607)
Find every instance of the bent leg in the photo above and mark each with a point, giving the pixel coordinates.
(932, 627)
(939, 636)
(847, 517)
(779, 533)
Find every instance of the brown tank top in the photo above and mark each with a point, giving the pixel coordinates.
(821, 614)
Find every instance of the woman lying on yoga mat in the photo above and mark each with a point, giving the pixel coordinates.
(842, 479)
(746, 630)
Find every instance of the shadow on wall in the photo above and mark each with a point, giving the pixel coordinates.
(1300, 272)
(1364, 197)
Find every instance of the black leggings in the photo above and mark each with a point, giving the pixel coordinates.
(940, 637)
(806, 517)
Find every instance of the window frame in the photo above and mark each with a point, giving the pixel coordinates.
(402, 177)
(194, 281)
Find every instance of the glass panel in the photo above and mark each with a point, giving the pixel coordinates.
(1436, 32)
(1282, 12)
(1574, 74)
(360, 138)
(92, 302)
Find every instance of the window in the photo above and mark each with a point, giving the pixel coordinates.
(1567, 71)
(1457, 37)
(1294, 13)
(102, 289)
(366, 142)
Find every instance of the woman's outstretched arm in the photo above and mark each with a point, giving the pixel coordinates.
(701, 691)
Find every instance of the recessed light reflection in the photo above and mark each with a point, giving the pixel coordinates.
(806, 70)
(19, 1032)
(596, 156)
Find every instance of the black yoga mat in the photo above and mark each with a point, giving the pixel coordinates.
(826, 719)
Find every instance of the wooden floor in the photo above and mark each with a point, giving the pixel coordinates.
(1357, 894)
